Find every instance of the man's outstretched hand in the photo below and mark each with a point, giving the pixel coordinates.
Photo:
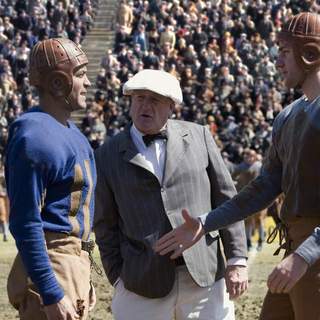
(181, 238)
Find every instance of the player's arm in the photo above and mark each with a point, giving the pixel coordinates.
(27, 180)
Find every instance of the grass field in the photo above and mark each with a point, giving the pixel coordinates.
(247, 307)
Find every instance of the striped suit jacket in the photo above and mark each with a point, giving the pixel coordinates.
(133, 209)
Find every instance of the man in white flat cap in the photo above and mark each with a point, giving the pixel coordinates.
(146, 175)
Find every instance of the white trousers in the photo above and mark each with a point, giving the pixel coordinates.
(185, 301)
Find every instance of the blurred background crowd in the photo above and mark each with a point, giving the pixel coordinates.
(222, 51)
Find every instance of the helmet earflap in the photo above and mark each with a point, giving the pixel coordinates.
(59, 84)
(310, 55)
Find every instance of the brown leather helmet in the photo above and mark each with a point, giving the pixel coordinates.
(303, 32)
(52, 63)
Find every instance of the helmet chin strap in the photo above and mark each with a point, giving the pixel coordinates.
(68, 102)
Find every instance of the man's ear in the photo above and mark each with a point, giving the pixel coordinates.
(59, 84)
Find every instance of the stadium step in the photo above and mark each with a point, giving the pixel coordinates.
(96, 43)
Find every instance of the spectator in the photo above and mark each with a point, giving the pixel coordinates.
(59, 16)
(141, 38)
(4, 214)
(168, 36)
(125, 16)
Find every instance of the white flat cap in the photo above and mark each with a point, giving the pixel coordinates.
(157, 81)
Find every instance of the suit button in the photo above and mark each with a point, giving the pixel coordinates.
(162, 189)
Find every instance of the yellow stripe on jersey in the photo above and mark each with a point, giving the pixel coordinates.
(76, 195)
(86, 206)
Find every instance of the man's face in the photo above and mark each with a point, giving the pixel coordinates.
(250, 157)
(81, 83)
(291, 72)
(150, 111)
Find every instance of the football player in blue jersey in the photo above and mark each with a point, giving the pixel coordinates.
(50, 174)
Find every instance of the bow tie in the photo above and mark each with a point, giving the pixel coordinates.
(149, 138)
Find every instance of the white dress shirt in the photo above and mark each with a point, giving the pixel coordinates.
(154, 154)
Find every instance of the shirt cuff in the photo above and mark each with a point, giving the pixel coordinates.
(237, 261)
(202, 220)
(116, 282)
(309, 249)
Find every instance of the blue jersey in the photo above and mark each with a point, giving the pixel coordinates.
(51, 176)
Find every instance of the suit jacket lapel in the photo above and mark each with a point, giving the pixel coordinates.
(131, 153)
(178, 142)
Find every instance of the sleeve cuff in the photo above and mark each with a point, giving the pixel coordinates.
(116, 282)
(237, 261)
(202, 219)
(52, 297)
(309, 250)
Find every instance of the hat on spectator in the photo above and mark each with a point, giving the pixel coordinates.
(158, 81)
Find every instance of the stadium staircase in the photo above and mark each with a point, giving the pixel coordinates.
(97, 41)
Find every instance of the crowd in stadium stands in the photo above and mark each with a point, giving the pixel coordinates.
(224, 53)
